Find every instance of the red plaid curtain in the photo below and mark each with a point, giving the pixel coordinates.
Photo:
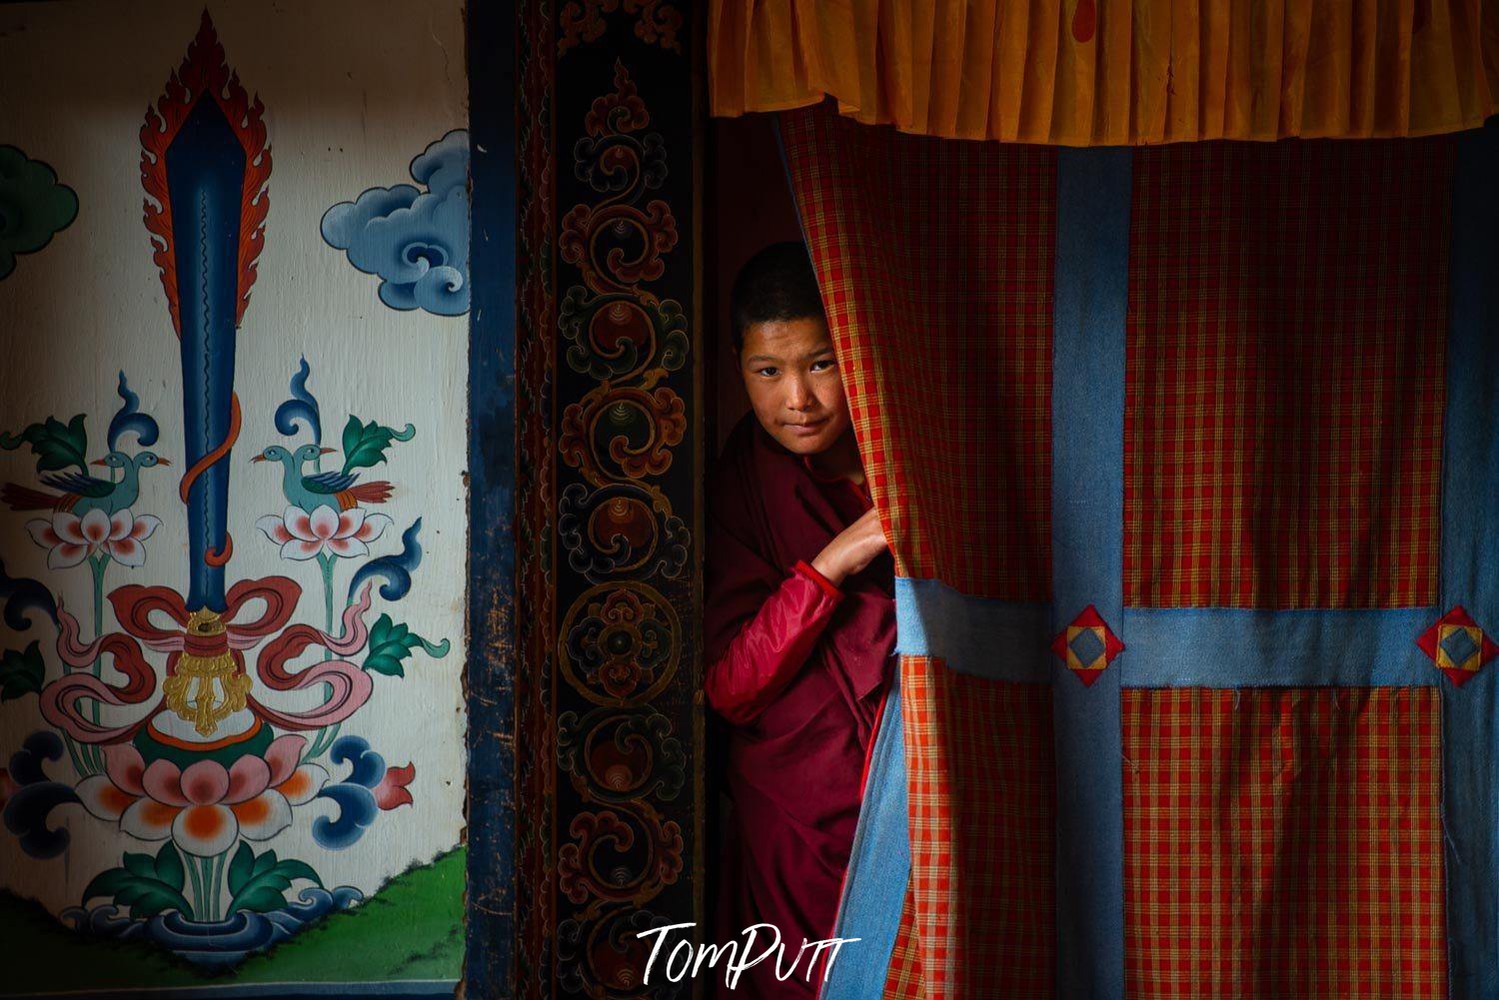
(1283, 388)
(1287, 319)
(935, 261)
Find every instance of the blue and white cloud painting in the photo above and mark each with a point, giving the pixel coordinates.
(415, 239)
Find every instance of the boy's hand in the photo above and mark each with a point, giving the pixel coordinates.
(855, 548)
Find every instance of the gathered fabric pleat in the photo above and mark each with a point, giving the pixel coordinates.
(1128, 72)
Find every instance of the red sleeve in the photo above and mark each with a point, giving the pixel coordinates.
(771, 647)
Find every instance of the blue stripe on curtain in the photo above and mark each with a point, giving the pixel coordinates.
(1087, 552)
(1470, 568)
(975, 636)
(879, 867)
(1235, 647)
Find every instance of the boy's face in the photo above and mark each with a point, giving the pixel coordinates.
(791, 376)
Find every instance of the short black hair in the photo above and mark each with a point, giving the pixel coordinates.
(777, 283)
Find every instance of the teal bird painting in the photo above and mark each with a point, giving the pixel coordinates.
(340, 491)
(80, 493)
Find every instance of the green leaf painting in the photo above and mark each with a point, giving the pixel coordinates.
(260, 882)
(21, 672)
(56, 445)
(148, 885)
(391, 643)
(365, 444)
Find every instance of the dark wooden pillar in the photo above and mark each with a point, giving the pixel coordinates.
(609, 790)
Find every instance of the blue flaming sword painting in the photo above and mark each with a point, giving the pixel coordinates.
(180, 743)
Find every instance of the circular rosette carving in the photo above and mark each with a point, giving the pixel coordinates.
(620, 757)
(619, 644)
(622, 433)
(624, 855)
(617, 336)
(605, 957)
(618, 246)
(621, 529)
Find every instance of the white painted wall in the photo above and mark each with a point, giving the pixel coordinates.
(353, 89)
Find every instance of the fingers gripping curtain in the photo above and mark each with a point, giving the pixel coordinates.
(1193, 399)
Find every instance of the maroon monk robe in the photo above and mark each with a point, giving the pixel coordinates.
(798, 668)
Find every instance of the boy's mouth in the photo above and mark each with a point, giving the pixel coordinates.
(807, 429)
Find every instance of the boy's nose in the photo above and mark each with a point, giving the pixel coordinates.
(798, 397)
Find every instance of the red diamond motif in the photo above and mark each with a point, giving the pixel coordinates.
(1090, 637)
(1458, 646)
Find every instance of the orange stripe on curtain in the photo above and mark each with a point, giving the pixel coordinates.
(1131, 72)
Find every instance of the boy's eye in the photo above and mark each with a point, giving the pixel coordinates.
(823, 365)
(768, 372)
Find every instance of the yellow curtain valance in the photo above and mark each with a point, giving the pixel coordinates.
(1115, 72)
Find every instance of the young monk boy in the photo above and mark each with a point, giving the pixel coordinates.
(800, 623)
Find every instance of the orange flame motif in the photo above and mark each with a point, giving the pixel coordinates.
(205, 73)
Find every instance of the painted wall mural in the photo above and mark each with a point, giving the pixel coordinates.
(610, 784)
(33, 206)
(209, 732)
(415, 240)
